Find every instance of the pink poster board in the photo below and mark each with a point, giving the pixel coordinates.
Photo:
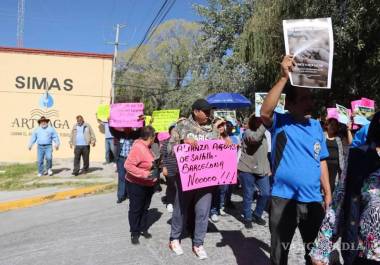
(162, 136)
(210, 163)
(332, 113)
(126, 115)
(368, 103)
(355, 104)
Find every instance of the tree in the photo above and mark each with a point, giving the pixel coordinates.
(357, 47)
(223, 22)
(160, 67)
(217, 67)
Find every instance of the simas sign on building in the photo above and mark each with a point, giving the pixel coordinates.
(57, 85)
(34, 82)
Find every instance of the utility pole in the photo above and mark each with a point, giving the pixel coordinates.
(20, 23)
(114, 63)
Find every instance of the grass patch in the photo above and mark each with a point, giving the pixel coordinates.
(23, 177)
(14, 176)
(16, 170)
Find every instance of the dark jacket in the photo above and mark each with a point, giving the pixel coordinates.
(254, 153)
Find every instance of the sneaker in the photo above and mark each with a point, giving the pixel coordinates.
(214, 218)
(258, 220)
(75, 173)
(50, 172)
(175, 246)
(248, 224)
(146, 235)
(169, 208)
(135, 240)
(39, 175)
(222, 212)
(200, 252)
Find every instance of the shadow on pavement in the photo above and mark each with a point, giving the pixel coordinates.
(93, 169)
(246, 250)
(59, 170)
(153, 216)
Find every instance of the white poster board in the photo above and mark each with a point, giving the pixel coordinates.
(343, 114)
(259, 100)
(311, 43)
(225, 114)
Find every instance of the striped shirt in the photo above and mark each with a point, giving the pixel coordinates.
(125, 146)
(169, 161)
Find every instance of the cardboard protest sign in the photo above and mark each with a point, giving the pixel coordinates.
(210, 163)
(259, 100)
(162, 119)
(362, 110)
(362, 115)
(103, 112)
(343, 114)
(225, 114)
(126, 115)
(148, 120)
(311, 43)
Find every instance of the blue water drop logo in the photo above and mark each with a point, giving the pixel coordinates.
(46, 101)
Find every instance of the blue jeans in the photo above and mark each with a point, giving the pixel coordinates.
(122, 182)
(248, 182)
(110, 149)
(221, 195)
(44, 152)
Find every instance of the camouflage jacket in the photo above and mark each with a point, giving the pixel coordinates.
(190, 129)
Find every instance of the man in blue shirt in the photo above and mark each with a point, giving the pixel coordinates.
(360, 136)
(44, 136)
(298, 163)
(110, 147)
(82, 136)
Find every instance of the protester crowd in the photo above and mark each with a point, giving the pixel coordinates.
(321, 177)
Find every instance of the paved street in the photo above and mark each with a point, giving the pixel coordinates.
(94, 231)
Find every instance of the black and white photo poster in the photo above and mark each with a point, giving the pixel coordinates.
(311, 43)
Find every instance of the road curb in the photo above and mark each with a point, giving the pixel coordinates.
(57, 196)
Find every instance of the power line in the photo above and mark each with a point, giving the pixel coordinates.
(146, 33)
(160, 16)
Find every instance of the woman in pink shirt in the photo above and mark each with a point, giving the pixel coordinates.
(142, 174)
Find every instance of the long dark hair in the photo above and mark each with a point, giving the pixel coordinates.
(374, 130)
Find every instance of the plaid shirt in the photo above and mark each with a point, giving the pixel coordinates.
(125, 147)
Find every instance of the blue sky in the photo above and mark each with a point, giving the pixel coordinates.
(84, 25)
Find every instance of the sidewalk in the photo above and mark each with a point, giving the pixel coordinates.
(7, 196)
(62, 185)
